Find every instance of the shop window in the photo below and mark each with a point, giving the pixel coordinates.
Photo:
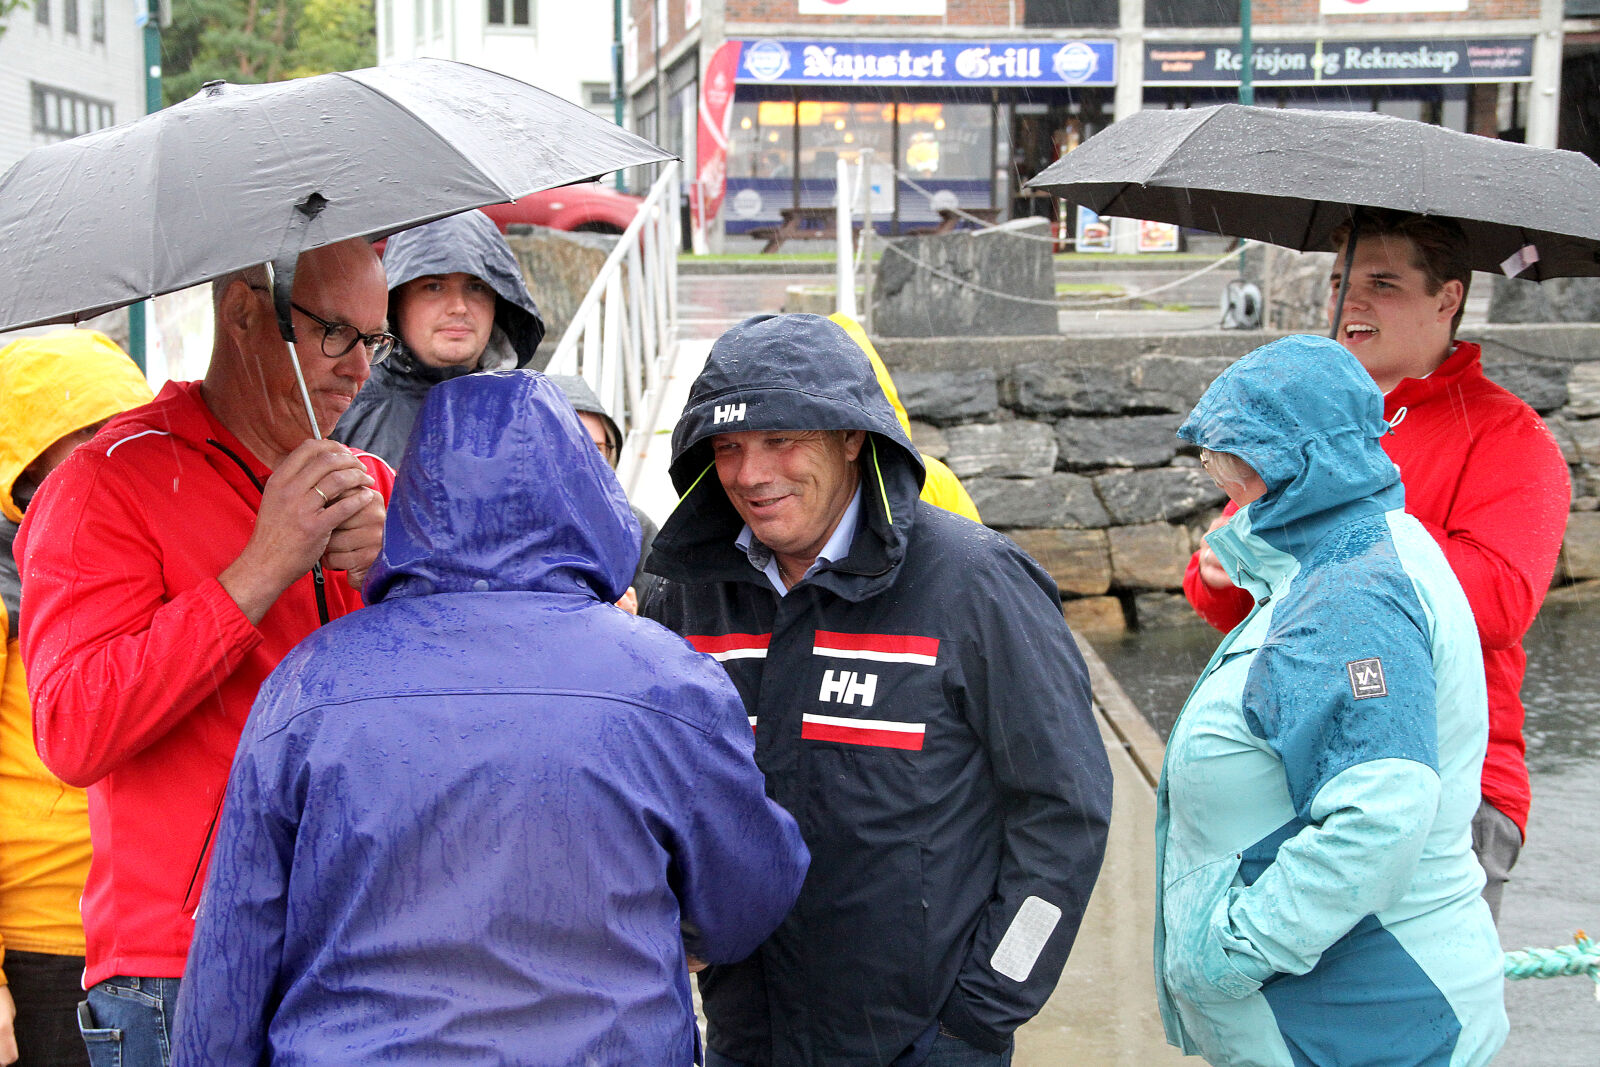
(945, 141)
(58, 113)
(761, 139)
(833, 130)
(1063, 14)
(69, 16)
(1174, 13)
(97, 21)
(41, 12)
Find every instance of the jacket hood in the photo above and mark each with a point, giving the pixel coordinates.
(783, 372)
(54, 385)
(467, 243)
(584, 399)
(502, 489)
(1308, 418)
(879, 368)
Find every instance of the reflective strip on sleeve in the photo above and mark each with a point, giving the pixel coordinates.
(1019, 950)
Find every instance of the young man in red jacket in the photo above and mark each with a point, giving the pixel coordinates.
(168, 566)
(1481, 471)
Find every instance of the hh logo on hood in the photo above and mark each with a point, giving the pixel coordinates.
(1366, 678)
(727, 413)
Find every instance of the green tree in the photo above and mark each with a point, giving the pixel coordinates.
(245, 41)
(334, 35)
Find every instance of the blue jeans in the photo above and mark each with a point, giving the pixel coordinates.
(127, 1022)
(947, 1051)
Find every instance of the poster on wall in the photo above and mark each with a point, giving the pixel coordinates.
(1385, 7)
(711, 142)
(872, 7)
(1157, 236)
(1094, 231)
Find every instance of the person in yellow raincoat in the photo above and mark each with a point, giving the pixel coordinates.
(942, 488)
(55, 392)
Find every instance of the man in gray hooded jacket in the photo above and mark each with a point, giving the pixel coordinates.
(459, 305)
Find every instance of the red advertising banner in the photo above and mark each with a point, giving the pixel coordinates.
(711, 144)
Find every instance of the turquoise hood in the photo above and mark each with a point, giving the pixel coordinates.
(1309, 419)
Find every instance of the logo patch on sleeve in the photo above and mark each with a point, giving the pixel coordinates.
(1366, 678)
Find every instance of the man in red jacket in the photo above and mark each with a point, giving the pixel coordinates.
(168, 566)
(1481, 471)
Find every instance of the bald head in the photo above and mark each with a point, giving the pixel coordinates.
(250, 385)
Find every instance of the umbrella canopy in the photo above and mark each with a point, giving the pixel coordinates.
(1289, 177)
(244, 174)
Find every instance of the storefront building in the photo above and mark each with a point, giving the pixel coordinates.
(934, 119)
(957, 103)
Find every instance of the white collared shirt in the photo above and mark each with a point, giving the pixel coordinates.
(765, 560)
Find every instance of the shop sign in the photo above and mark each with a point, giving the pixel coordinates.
(1388, 7)
(842, 61)
(1487, 59)
(872, 7)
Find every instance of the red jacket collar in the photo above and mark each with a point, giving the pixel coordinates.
(1462, 364)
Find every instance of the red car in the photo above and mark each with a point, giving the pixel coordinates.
(589, 207)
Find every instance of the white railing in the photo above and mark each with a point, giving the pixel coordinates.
(624, 334)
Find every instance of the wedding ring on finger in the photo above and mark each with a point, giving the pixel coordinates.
(324, 496)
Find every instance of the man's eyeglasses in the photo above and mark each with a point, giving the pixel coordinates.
(338, 338)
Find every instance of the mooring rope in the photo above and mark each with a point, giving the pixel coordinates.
(1580, 957)
(1067, 305)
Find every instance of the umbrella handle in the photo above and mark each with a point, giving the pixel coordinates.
(1344, 276)
(280, 278)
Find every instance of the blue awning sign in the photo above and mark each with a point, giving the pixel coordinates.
(843, 61)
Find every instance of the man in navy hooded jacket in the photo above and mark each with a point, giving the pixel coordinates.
(484, 820)
(918, 705)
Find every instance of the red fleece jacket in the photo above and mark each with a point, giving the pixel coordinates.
(1484, 474)
(141, 668)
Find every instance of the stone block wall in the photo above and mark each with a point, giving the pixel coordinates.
(1069, 446)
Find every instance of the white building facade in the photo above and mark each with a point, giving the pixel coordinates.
(562, 46)
(68, 67)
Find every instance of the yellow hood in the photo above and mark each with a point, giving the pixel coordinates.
(54, 385)
(940, 487)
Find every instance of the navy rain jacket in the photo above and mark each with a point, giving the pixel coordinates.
(465, 824)
(919, 707)
(379, 420)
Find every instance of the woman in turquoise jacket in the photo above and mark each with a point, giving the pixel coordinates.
(1318, 899)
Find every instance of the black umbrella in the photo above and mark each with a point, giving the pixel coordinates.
(1290, 177)
(245, 174)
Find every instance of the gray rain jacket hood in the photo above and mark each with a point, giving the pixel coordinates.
(380, 418)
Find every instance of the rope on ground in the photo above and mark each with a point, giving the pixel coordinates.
(1065, 305)
(1581, 957)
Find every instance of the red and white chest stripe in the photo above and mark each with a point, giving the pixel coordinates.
(879, 648)
(840, 686)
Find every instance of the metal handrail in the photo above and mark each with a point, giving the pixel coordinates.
(623, 337)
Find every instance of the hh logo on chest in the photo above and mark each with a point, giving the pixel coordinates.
(859, 688)
(848, 687)
(727, 413)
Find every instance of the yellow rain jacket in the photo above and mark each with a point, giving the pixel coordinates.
(50, 386)
(941, 488)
